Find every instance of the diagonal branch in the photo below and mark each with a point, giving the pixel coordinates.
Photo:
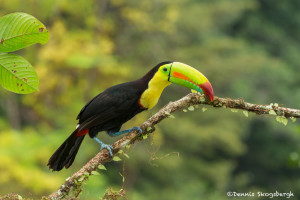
(74, 183)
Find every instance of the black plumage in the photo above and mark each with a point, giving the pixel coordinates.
(107, 111)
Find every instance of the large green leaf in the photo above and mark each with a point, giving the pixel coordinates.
(18, 30)
(17, 74)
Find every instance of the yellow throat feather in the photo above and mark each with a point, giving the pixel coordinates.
(151, 95)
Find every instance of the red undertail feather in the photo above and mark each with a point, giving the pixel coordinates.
(83, 132)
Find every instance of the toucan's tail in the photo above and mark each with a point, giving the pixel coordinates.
(66, 153)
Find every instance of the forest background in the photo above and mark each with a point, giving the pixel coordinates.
(246, 48)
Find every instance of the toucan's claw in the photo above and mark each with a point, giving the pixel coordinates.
(138, 129)
(109, 148)
(105, 146)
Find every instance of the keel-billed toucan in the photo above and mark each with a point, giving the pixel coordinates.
(109, 110)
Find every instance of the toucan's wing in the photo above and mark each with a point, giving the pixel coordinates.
(86, 105)
(99, 104)
(108, 105)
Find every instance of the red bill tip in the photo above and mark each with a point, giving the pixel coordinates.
(207, 90)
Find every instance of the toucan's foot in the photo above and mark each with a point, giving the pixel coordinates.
(105, 146)
(109, 148)
(125, 131)
(138, 129)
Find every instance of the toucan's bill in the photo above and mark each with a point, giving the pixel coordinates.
(187, 76)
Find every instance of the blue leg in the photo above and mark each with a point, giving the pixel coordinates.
(125, 131)
(104, 146)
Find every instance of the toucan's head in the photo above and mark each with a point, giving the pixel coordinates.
(187, 76)
(166, 73)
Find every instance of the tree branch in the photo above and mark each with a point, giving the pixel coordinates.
(75, 182)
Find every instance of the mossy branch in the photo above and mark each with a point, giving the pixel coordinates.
(74, 183)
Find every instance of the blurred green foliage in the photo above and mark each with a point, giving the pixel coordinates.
(246, 49)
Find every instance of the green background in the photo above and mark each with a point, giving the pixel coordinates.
(246, 49)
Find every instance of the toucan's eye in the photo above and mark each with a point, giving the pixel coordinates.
(165, 69)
